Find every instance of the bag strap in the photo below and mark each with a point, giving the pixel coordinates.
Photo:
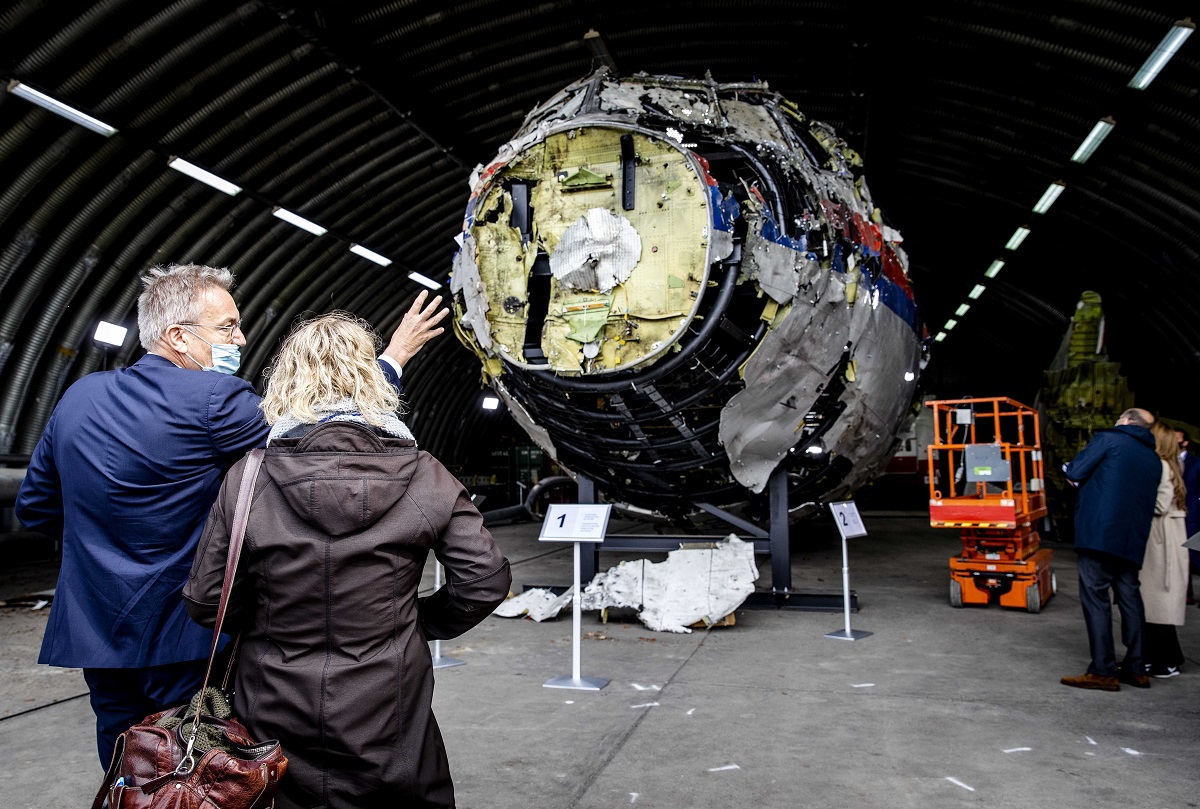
(111, 776)
(237, 532)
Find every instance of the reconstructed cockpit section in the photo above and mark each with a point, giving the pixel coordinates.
(682, 287)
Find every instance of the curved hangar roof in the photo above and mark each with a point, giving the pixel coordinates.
(367, 118)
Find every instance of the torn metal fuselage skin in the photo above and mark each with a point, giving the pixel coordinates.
(678, 286)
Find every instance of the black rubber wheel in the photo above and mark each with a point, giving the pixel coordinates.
(1033, 598)
(955, 593)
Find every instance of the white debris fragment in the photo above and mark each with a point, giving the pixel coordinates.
(570, 702)
(956, 782)
(645, 705)
(691, 711)
(597, 252)
(465, 278)
(646, 687)
(539, 604)
(633, 796)
(862, 685)
(1090, 739)
(726, 767)
(1131, 751)
(1018, 750)
(693, 584)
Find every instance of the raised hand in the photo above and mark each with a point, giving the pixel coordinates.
(417, 327)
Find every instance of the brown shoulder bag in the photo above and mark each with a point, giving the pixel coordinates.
(159, 765)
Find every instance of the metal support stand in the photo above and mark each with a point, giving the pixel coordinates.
(440, 662)
(847, 633)
(781, 553)
(591, 560)
(575, 681)
(773, 541)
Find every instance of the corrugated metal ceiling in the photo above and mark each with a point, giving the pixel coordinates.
(367, 118)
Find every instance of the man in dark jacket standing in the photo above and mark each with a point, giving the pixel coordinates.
(1117, 474)
(1189, 464)
(129, 464)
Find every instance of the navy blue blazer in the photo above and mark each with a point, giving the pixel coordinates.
(1191, 480)
(126, 471)
(1118, 474)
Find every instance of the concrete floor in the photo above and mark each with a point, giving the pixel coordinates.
(938, 708)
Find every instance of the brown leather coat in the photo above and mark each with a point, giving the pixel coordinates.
(334, 661)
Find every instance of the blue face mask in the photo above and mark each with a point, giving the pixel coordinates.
(226, 357)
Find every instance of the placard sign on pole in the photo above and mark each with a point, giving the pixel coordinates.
(440, 662)
(849, 524)
(575, 523)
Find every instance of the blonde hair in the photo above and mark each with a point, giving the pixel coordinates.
(324, 361)
(1166, 444)
(175, 294)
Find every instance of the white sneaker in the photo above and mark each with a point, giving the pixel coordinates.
(1165, 672)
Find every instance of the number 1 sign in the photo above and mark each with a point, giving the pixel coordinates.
(575, 522)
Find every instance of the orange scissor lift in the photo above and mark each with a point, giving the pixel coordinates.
(996, 443)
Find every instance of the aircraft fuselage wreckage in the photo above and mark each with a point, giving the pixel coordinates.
(679, 287)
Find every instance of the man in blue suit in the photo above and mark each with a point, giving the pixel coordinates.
(128, 466)
(1189, 463)
(1117, 474)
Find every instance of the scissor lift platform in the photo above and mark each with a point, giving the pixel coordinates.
(985, 440)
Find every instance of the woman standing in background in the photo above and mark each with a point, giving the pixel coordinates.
(1165, 570)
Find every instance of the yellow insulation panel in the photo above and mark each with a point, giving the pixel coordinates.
(571, 173)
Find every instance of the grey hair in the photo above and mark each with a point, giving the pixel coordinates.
(1137, 417)
(173, 294)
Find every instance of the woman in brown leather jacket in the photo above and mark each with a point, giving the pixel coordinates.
(333, 659)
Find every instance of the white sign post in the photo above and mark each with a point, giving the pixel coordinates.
(849, 524)
(440, 662)
(575, 523)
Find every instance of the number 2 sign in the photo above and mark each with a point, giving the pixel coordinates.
(849, 523)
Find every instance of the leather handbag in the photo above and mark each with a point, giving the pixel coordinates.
(161, 763)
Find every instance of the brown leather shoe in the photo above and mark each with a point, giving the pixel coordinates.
(1136, 680)
(1093, 681)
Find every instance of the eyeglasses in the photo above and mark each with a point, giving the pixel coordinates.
(227, 329)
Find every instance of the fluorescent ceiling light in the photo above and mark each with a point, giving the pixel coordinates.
(950, 324)
(370, 255)
(976, 292)
(1179, 32)
(995, 269)
(1014, 241)
(1095, 138)
(490, 403)
(300, 222)
(941, 335)
(962, 309)
(110, 333)
(206, 177)
(1048, 198)
(424, 280)
(58, 108)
